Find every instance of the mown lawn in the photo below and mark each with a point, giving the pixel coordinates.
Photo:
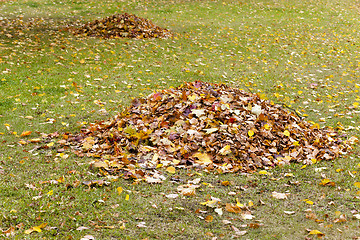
(302, 53)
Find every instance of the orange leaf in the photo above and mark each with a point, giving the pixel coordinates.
(225, 183)
(209, 218)
(25, 133)
(357, 184)
(232, 208)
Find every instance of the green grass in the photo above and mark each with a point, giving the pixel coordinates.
(301, 53)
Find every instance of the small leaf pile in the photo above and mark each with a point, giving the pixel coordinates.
(121, 26)
(206, 126)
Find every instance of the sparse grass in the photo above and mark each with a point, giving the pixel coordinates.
(302, 53)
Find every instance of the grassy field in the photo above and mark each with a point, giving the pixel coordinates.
(305, 54)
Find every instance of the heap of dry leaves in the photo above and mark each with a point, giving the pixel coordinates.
(206, 126)
(120, 26)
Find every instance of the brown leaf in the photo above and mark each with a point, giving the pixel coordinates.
(232, 208)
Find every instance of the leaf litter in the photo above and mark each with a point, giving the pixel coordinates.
(124, 25)
(210, 127)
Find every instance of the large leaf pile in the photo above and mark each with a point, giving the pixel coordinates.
(120, 26)
(206, 126)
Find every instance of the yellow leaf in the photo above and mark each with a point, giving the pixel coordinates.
(28, 231)
(238, 203)
(119, 190)
(170, 169)
(61, 179)
(82, 61)
(296, 143)
(50, 144)
(192, 97)
(210, 203)
(304, 166)
(264, 172)
(309, 202)
(357, 184)
(225, 150)
(37, 229)
(267, 127)
(204, 158)
(316, 232)
(159, 165)
(50, 193)
(250, 203)
(22, 142)
(251, 133)
(127, 197)
(287, 133)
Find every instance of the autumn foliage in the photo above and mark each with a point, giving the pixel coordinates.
(206, 126)
(122, 25)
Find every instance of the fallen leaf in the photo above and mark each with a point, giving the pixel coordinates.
(172, 195)
(327, 182)
(238, 232)
(251, 133)
(254, 225)
(219, 211)
(204, 158)
(264, 172)
(225, 150)
(289, 212)
(225, 221)
(247, 216)
(141, 225)
(35, 229)
(287, 133)
(25, 133)
(210, 203)
(342, 218)
(119, 190)
(316, 232)
(81, 228)
(232, 208)
(170, 169)
(279, 195)
(88, 237)
(225, 183)
(209, 218)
